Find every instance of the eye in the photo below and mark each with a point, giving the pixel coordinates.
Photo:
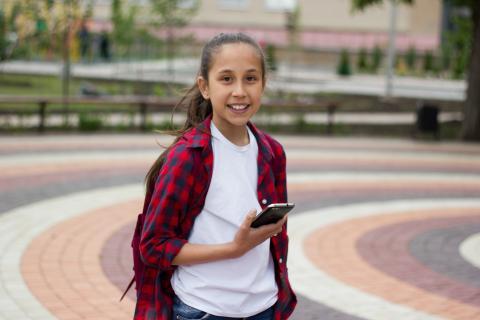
(226, 79)
(251, 78)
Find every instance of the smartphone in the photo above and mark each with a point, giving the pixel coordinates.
(272, 213)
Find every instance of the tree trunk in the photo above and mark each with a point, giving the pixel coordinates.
(471, 121)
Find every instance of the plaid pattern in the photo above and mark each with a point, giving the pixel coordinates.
(178, 198)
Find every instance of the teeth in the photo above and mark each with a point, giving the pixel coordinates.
(238, 106)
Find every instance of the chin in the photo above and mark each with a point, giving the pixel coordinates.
(239, 122)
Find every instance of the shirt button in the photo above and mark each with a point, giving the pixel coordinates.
(264, 201)
(280, 260)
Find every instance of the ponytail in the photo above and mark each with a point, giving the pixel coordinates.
(198, 109)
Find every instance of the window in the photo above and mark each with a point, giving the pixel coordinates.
(233, 4)
(280, 5)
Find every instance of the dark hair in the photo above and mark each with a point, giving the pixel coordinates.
(198, 109)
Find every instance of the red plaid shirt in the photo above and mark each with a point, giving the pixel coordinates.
(178, 198)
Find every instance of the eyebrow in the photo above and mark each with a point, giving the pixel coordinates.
(229, 70)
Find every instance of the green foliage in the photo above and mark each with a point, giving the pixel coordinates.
(362, 4)
(124, 30)
(89, 122)
(428, 62)
(460, 64)
(16, 10)
(7, 25)
(411, 58)
(460, 41)
(344, 67)
(362, 64)
(173, 13)
(445, 57)
(468, 3)
(293, 20)
(3, 36)
(88, 11)
(377, 57)
(271, 58)
(159, 91)
(299, 122)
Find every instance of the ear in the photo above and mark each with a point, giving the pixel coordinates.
(203, 87)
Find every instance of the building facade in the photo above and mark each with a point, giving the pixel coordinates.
(323, 24)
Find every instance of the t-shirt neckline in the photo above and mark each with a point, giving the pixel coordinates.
(218, 134)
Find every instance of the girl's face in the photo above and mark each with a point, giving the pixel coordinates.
(234, 87)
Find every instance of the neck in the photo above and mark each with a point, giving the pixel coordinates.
(236, 135)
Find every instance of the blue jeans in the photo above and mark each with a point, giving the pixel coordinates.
(182, 311)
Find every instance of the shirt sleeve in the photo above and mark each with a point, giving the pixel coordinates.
(160, 241)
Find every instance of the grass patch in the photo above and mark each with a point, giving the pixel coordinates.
(38, 85)
(89, 122)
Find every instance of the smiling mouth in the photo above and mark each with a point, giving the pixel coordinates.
(238, 107)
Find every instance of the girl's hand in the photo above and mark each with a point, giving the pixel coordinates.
(248, 237)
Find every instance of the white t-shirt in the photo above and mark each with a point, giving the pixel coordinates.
(239, 287)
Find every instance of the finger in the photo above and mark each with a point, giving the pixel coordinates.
(281, 221)
(249, 218)
(277, 231)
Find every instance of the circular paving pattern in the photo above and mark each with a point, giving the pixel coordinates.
(383, 229)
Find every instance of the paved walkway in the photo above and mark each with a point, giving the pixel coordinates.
(383, 229)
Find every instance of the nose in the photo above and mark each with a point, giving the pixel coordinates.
(238, 90)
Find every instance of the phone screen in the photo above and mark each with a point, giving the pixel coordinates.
(272, 214)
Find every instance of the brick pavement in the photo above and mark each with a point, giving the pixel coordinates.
(383, 229)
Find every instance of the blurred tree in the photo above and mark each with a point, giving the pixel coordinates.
(471, 113)
(344, 67)
(271, 57)
(446, 57)
(460, 40)
(11, 27)
(3, 36)
(55, 21)
(377, 57)
(428, 62)
(292, 24)
(124, 27)
(411, 58)
(362, 64)
(168, 16)
(401, 65)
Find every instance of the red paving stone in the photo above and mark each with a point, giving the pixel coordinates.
(387, 249)
(63, 270)
(334, 250)
(78, 268)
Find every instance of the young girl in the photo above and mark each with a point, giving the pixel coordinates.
(203, 260)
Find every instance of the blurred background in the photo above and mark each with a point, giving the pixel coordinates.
(376, 103)
(345, 67)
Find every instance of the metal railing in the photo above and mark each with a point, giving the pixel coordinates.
(142, 105)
